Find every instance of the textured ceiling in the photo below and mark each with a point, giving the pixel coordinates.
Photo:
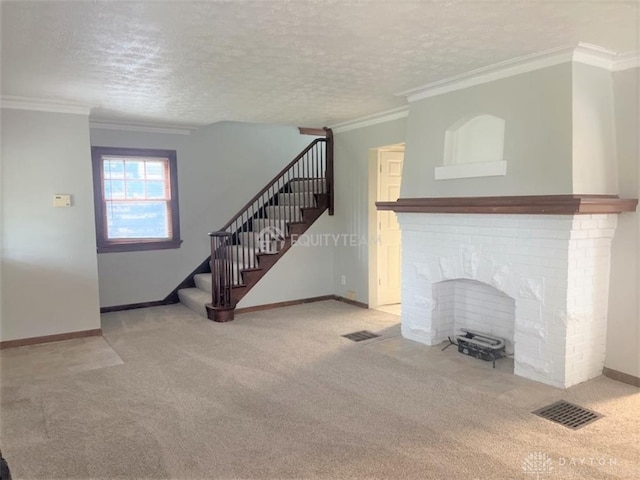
(304, 62)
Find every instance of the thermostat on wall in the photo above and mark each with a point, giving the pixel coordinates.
(60, 200)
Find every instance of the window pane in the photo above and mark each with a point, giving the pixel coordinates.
(113, 189)
(135, 189)
(155, 170)
(134, 168)
(156, 190)
(113, 168)
(137, 220)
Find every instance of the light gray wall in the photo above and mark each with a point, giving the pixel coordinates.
(134, 277)
(623, 334)
(305, 271)
(220, 168)
(594, 139)
(49, 272)
(352, 202)
(537, 109)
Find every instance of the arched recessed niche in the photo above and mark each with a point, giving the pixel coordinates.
(473, 147)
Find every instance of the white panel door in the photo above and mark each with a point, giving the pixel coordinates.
(389, 237)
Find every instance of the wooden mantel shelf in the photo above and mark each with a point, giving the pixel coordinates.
(534, 204)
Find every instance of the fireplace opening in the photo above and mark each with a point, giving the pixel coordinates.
(469, 305)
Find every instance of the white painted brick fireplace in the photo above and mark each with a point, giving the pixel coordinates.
(540, 281)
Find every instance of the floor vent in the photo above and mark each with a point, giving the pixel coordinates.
(568, 415)
(360, 336)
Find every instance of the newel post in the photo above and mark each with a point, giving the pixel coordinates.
(329, 173)
(222, 304)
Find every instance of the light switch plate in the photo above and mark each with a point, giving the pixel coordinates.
(61, 200)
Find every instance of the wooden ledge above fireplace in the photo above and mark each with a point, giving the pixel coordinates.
(534, 204)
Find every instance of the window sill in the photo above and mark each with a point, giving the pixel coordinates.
(138, 247)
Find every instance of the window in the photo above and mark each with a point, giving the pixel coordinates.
(136, 199)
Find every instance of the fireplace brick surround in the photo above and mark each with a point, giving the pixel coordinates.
(554, 266)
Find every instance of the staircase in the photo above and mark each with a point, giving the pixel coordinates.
(253, 241)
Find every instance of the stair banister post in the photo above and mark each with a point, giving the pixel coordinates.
(222, 306)
(329, 172)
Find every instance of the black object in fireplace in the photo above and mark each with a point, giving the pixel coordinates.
(479, 345)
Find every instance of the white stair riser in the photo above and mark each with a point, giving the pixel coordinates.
(308, 186)
(260, 224)
(237, 266)
(203, 281)
(260, 244)
(288, 213)
(243, 253)
(298, 199)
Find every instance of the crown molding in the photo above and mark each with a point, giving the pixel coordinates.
(146, 127)
(582, 53)
(626, 61)
(59, 106)
(43, 105)
(374, 119)
(593, 55)
(490, 73)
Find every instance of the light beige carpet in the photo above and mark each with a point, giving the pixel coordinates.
(280, 394)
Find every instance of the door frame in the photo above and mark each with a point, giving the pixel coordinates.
(374, 179)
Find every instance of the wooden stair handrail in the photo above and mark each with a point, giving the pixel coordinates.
(277, 177)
